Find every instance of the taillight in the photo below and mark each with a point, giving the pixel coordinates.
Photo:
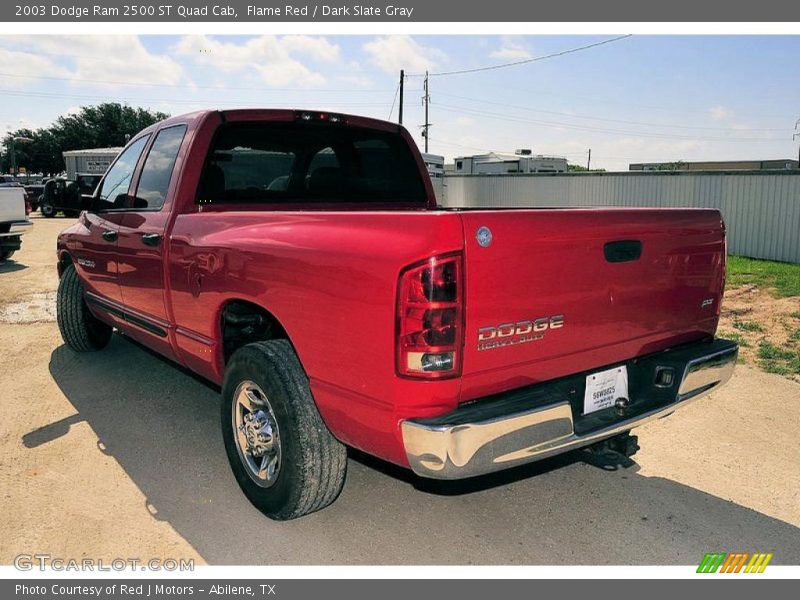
(430, 318)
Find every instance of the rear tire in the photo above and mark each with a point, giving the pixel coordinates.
(80, 329)
(309, 463)
(4, 256)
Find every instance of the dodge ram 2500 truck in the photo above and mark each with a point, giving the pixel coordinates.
(298, 260)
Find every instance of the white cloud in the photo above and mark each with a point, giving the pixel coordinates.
(271, 57)
(465, 121)
(394, 52)
(720, 113)
(104, 58)
(317, 48)
(21, 65)
(511, 49)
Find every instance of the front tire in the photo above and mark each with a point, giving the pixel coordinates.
(80, 329)
(284, 458)
(47, 209)
(4, 256)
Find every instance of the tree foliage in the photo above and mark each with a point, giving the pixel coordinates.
(580, 168)
(102, 126)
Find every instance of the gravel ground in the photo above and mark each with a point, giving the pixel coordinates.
(118, 454)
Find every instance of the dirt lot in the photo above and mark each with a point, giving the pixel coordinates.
(119, 454)
(767, 329)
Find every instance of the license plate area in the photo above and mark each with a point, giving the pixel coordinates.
(603, 388)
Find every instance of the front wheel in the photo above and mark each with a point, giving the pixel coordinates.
(47, 209)
(4, 256)
(80, 329)
(283, 456)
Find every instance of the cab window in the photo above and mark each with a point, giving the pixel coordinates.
(114, 189)
(157, 170)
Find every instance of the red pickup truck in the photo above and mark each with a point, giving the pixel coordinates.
(298, 259)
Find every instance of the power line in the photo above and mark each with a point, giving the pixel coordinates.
(391, 110)
(190, 86)
(32, 94)
(623, 121)
(562, 125)
(524, 61)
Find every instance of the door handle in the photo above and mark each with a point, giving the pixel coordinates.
(151, 239)
(109, 235)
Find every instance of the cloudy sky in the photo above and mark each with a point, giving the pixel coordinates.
(644, 98)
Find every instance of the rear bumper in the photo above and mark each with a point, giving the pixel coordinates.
(17, 228)
(11, 240)
(531, 424)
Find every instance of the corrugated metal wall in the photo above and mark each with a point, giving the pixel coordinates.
(761, 210)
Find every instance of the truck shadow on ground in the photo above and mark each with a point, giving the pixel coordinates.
(162, 426)
(11, 266)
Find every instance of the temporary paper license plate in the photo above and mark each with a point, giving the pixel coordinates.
(603, 388)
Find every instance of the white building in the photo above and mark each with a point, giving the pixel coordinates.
(94, 161)
(522, 161)
(434, 163)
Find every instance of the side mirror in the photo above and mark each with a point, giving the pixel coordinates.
(88, 203)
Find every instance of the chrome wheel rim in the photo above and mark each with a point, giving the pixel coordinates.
(255, 430)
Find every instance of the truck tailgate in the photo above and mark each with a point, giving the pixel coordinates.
(561, 291)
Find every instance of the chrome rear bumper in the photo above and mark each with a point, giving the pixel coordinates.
(17, 228)
(505, 435)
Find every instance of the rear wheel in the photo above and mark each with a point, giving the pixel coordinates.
(80, 329)
(47, 209)
(4, 256)
(283, 456)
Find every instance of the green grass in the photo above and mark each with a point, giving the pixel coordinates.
(782, 361)
(734, 336)
(747, 326)
(784, 277)
(795, 315)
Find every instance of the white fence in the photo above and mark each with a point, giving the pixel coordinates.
(761, 209)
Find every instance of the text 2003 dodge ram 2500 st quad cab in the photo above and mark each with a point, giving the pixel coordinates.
(298, 260)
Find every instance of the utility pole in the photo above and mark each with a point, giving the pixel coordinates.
(796, 136)
(589, 161)
(13, 151)
(427, 126)
(402, 80)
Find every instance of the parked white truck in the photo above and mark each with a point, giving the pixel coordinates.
(13, 220)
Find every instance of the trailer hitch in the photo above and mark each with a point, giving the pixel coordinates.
(614, 452)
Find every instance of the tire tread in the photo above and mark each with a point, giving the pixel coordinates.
(74, 318)
(321, 473)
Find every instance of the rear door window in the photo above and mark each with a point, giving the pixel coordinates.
(309, 162)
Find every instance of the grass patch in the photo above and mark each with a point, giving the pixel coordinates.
(784, 277)
(735, 337)
(795, 315)
(774, 359)
(747, 326)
